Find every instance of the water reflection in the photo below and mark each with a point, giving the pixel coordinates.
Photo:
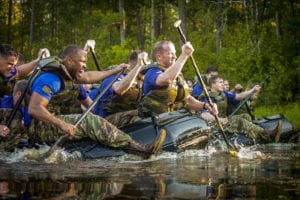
(188, 175)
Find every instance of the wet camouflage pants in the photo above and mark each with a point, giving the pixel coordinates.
(243, 124)
(16, 129)
(123, 118)
(92, 126)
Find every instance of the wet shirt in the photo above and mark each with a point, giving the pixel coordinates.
(98, 109)
(150, 80)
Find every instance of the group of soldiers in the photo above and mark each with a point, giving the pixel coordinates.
(142, 89)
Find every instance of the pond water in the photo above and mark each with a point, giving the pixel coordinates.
(269, 171)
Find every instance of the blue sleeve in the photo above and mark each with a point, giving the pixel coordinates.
(7, 102)
(93, 93)
(197, 90)
(110, 92)
(150, 79)
(47, 85)
(231, 97)
(12, 74)
(82, 93)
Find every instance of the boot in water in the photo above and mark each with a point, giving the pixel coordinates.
(146, 150)
(274, 135)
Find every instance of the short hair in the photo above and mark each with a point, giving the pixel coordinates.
(158, 47)
(20, 86)
(213, 79)
(7, 50)
(71, 51)
(211, 69)
(134, 55)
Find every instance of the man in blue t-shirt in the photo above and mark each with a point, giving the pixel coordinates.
(46, 127)
(164, 87)
(119, 104)
(197, 89)
(236, 123)
(9, 71)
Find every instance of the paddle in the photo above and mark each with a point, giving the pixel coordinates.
(183, 39)
(83, 115)
(248, 97)
(90, 44)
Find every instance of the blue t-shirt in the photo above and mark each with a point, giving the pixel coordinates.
(7, 102)
(98, 109)
(150, 80)
(197, 90)
(49, 84)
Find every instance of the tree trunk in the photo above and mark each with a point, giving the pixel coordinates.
(182, 15)
(219, 25)
(32, 22)
(139, 25)
(54, 18)
(10, 6)
(122, 24)
(155, 20)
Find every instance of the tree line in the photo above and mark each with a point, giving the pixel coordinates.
(246, 39)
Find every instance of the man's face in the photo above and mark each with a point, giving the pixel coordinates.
(76, 64)
(218, 86)
(6, 65)
(167, 57)
(226, 85)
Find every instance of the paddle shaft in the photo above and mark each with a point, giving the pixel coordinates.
(249, 96)
(95, 59)
(83, 115)
(184, 40)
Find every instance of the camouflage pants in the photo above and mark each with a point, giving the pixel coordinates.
(123, 118)
(16, 129)
(92, 126)
(243, 124)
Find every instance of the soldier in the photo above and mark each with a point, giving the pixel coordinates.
(119, 104)
(9, 71)
(164, 87)
(197, 90)
(237, 123)
(46, 127)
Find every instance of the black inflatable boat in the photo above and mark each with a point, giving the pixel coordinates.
(184, 131)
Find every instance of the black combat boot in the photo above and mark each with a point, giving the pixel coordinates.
(145, 150)
(274, 134)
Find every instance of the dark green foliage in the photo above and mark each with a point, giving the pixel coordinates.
(257, 39)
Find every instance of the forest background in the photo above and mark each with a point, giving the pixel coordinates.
(246, 39)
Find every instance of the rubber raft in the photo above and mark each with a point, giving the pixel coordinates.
(184, 131)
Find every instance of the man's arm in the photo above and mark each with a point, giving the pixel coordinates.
(243, 95)
(27, 68)
(195, 104)
(96, 76)
(173, 71)
(122, 86)
(37, 109)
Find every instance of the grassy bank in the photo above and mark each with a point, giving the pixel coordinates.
(290, 111)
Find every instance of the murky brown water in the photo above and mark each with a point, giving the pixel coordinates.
(265, 172)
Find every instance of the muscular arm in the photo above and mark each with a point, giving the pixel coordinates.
(27, 68)
(122, 86)
(172, 72)
(96, 76)
(37, 109)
